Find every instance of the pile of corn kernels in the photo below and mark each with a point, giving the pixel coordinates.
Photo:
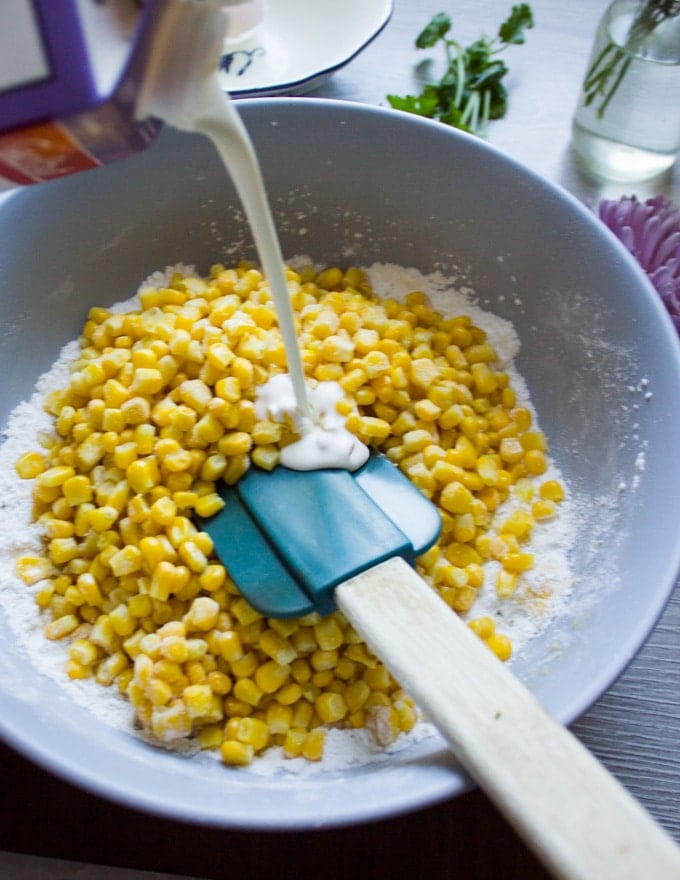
(160, 408)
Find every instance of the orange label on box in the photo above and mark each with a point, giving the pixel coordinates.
(42, 152)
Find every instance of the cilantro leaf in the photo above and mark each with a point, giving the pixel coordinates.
(512, 30)
(424, 104)
(435, 31)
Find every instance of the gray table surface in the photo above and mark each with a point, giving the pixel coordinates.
(634, 729)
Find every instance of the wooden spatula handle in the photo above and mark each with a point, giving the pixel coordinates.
(578, 819)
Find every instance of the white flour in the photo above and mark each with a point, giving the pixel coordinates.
(543, 597)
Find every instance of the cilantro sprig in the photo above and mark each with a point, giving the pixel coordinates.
(471, 90)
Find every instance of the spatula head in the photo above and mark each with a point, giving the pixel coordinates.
(288, 538)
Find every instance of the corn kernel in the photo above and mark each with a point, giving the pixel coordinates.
(147, 381)
(266, 457)
(59, 528)
(551, 490)
(171, 722)
(271, 676)
(506, 584)
(196, 394)
(61, 627)
(294, 742)
(199, 700)
(481, 353)
(330, 707)
(234, 708)
(30, 465)
(163, 511)
(210, 736)
(484, 627)
(355, 695)
(192, 556)
(212, 577)
(237, 754)
(288, 694)
(122, 620)
(543, 509)
(535, 461)
(142, 475)
(44, 596)
(511, 450)
(500, 645)
(277, 647)
(76, 670)
(520, 524)
(196, 649)
(83, 652)
(383, 724)
(406, 715)
(312, 745)
(323, 661)
(111, 667)
(88, 588)
(203, 614)
(219, 682)
(247, 691)
(137, 411)
(63, 550)
(126, 561)
(488, 469)
(32, 569)
(456, 498)
(328, 634)
(230, 647)
(166, 579)
(252, 732)
(278, 718)
(517, 562)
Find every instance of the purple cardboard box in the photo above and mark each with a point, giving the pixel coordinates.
(69, 75)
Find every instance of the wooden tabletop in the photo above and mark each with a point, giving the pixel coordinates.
(634, 729)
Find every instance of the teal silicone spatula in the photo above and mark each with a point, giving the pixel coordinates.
(315, 540)
(288, 538)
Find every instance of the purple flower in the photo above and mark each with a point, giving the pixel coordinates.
(651, 232)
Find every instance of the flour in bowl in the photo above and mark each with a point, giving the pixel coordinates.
(380, 334)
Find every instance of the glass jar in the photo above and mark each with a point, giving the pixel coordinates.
(627, 123)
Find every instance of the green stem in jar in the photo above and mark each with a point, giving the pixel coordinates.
(609, 68)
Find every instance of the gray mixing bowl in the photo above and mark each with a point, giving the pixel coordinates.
(357, 184)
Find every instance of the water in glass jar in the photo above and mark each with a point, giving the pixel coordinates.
(638, 135)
